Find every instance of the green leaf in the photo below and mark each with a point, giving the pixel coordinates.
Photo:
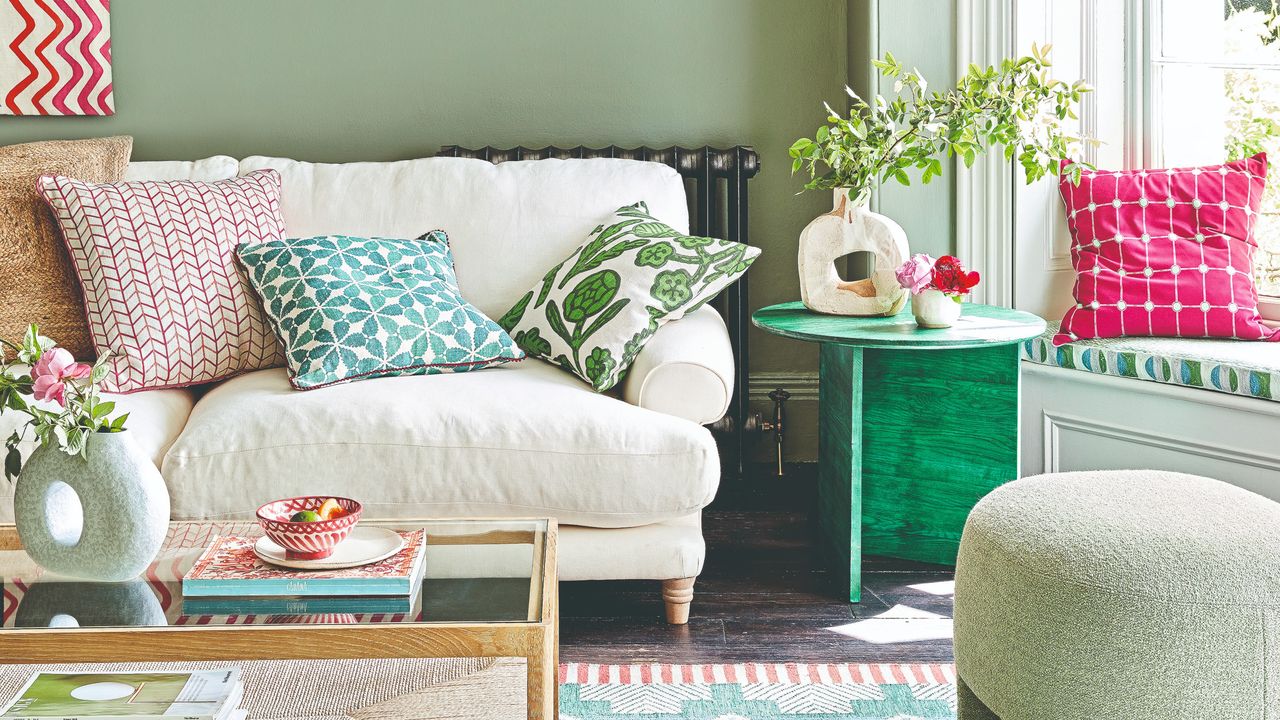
(557, 323)
(591, 295)
(103, 409)
(118, 424)
(615, 250)
(587, 257)
(76, 441)
(610, 313)
(14, 401)
(12, 462)
(547, 281)
(654, 230)
(512, 317)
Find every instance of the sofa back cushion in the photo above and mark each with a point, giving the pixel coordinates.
(210, 169)
(507, 223)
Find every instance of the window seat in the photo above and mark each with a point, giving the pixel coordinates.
(1250, 369)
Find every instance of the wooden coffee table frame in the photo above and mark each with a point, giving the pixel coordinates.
(537, 641)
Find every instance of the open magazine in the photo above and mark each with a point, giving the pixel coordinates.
(195, 695)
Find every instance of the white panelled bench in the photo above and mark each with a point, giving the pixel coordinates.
(1207, 407)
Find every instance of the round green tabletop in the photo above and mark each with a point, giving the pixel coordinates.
(978, 326)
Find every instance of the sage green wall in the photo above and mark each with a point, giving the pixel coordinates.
(921, 33)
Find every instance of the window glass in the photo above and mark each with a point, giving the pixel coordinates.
(1215, 94)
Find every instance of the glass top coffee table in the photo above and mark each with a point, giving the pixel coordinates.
(489, 591)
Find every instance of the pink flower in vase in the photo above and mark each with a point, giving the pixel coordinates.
(916, 273)
(54, 368)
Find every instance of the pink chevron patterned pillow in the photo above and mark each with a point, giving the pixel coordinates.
(1165, 252)
(161, 287)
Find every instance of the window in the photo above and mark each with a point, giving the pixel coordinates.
(1212, 81)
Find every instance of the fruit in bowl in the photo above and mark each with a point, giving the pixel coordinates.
(311, 526)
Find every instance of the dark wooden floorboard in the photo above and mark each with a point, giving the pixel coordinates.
(765, 595)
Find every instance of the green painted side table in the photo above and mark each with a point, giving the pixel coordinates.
(915, 425)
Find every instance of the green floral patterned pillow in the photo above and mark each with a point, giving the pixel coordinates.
(347, 308)
(592, 313)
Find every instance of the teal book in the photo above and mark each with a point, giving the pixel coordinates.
(230, 568)
(293, 605)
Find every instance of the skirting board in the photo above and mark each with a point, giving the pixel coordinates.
(1074, 420)
(803, 386)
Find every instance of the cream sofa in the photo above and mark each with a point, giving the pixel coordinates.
(625, 474)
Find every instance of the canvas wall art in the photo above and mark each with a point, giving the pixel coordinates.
(55, 57)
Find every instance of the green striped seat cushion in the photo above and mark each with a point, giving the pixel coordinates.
(1251, 369)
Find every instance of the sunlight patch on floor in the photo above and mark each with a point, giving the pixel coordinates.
(898, 624)
(945, 587)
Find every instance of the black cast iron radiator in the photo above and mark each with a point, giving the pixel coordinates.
(716, 185)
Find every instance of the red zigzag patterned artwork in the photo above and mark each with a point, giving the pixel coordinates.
(55, 57)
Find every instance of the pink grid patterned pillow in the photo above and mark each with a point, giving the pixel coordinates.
(161, 287)
(1165, 252)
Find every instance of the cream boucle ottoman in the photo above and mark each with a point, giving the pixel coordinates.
(1128, 594)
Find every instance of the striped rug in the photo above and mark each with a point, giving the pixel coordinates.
(757, 691)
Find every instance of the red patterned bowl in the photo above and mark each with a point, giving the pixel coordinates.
(307, 540)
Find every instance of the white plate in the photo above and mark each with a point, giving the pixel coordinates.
(366, 544)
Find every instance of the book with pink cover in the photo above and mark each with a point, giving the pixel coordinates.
(230, 568)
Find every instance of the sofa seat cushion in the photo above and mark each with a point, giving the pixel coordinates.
(1228, 366)
(520, 440)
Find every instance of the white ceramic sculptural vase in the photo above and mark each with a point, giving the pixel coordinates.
(846, 229)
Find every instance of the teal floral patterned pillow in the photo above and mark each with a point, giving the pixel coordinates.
(592, 313)
(347, 308)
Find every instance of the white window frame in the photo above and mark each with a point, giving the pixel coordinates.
(984, 193)
(1143, 41)
(1088, 43)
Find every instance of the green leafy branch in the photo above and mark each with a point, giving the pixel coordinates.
(81, 412)
(1016, 105)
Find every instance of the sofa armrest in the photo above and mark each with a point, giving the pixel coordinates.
(685, 370)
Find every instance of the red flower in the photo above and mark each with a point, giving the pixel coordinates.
(950, 277)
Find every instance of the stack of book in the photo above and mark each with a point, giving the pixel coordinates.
(195, 695)
(230, 579)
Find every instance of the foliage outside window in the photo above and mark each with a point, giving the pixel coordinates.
(1253, 118)
(1187, 66)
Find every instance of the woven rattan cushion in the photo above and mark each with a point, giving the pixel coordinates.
(39, 284)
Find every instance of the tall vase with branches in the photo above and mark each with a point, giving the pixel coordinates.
(1016, 107)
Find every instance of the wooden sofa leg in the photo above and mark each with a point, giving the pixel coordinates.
(677, 594)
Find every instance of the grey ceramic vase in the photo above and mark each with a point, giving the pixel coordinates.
(100, 517)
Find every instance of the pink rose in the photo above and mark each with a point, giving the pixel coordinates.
(54, 368)
(916, 273)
